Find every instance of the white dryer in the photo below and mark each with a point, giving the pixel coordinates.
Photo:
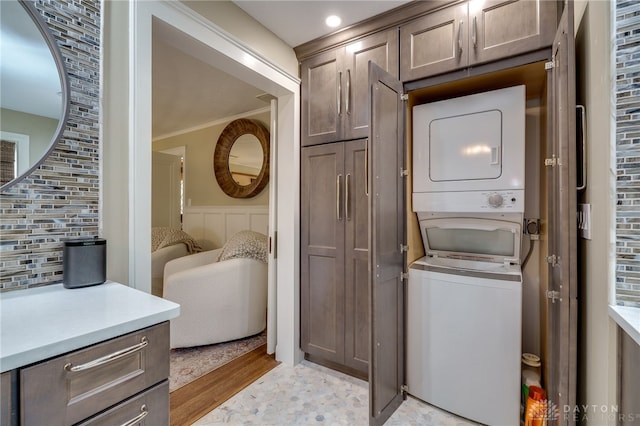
(464, 318)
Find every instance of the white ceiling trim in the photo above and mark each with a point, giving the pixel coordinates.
(211, 123)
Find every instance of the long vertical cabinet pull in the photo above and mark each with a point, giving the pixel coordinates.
(348, 93)
(338, 179)
(583, 135)
(366, 167)
(346, 196)
(460, 38)
(339, 89)
(474, 34)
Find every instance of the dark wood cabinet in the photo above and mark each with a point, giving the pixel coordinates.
(322, 106)
(504, 28)
(434, 44)
(83, 383)
(473, 33)
(334, 246)
(334, 88)
(8, 398)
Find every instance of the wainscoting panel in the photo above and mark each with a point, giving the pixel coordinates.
(214, 225)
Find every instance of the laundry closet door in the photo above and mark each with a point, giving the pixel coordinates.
(322, 252)
(386, 188)
(562, 305)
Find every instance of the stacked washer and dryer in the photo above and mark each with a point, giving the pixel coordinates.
(465, 296)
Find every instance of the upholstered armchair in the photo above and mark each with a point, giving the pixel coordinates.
(222, 293)
(168, 244)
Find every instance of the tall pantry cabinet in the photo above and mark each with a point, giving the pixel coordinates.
(335, 324)
(353, 173)
(334, 201)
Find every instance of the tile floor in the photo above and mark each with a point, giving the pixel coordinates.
(309, 394)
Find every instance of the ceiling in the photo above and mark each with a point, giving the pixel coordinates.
(297, 22)
(180, 99)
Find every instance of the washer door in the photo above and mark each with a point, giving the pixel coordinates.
(483, 239)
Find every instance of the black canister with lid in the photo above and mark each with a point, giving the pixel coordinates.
(84, 262)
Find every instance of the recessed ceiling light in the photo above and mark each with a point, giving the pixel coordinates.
(333, 21)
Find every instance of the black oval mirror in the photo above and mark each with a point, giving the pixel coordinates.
(34, 91)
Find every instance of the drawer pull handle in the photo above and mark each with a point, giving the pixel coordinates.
(137, 419)
(107, 358)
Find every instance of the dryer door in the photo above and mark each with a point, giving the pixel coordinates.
(464, 147)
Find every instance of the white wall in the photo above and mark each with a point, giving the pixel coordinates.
(597, 352)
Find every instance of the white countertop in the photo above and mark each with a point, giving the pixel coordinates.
(628, 319)
(43, 322)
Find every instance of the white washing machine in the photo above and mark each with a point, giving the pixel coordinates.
(464, 318)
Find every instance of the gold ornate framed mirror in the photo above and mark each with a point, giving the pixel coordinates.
(241, 158)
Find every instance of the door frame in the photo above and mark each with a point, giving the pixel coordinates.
(222, 50)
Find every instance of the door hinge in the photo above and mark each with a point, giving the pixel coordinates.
(549, 65)
(404, 389)
(404, 276)
(404, 248)
(554, 161)
(553, 295)
(404, 97)
(552, 259)
(404, 172)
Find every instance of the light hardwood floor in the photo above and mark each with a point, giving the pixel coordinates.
(192, 401)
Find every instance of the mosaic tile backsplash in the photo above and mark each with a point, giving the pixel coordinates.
(60, 199)
(627, 57)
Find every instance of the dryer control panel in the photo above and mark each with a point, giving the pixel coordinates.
(510, 201)
(498, 199)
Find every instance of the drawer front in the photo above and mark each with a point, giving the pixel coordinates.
(149, 408)
(75, 386)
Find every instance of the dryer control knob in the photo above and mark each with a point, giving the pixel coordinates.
(495, 200)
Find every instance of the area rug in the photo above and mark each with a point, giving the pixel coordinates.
(187, 364)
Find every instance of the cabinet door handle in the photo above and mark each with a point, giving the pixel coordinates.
(108, 358)
(338, 179)
(583, 124)
(346, 99)
(474, 34)
(339, 94)
(137, 419)
(366, 167)
(346, 196)
(460, 37)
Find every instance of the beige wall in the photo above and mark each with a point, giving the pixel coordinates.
(39, 129)
(114, 203)
(236, 21)
(597, 351)
(201, 186)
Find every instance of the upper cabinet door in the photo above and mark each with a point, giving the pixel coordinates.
(502, 28)
(385, 183)
(562, 303)
(381, 49)
(434, 44)
(322, 98)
